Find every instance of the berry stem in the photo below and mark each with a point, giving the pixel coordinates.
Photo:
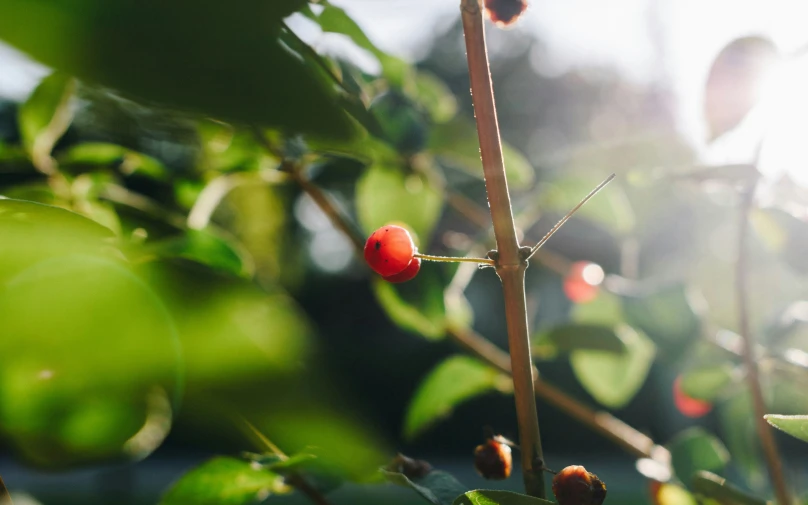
(453, 259)
(510, 266)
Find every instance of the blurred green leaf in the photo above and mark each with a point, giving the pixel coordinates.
(100, 154)
(416, 306)
(694, 450)
(225, 481)
(435, 97)
(402, 124)
(457, 144)
(222, 60)
(713, 486)
(796, 426)
(739, 432)
(579, 337)
(785, 234)
(707, 382)
(452, 382)
(671, 494)
(205, 247)
(667, 317)
(487, 497)
(611, 207)
(614, 379)
(437, 487)
(604, 310)
(385, 194)
(733, 174)
(46, 115)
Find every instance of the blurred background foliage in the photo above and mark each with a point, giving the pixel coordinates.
(173, 289)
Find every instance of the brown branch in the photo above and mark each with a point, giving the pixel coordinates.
(5, 497)
(770, 452)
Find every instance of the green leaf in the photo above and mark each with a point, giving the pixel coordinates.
(416, 306)
(667, 317)
(713, 486)
(671, 494)
(614, 379)
(436, 487)
(707, 382)
(225, 481)
(455, 380)
(610, 208)
(578, 337)
(784, 234)
(208, 248)
(224, 60)
(385, 194)
(456, 144)
(487, 497)
(740, 434)
(101, 154)
(46, 115)
(694, 450)
(402, 124)
(605, 310)
(435, 97)
(796, 426)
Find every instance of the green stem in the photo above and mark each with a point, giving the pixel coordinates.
(453, 259)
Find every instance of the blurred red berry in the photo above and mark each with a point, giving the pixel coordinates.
(493, 460)
(406, 274)
(688, 406)
(505, 12)
(575, 486)
(389, 250)
(582, 280)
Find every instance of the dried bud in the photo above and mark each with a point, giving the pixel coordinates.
(411, 468)
(505, 12)
(575, 486)
(493, 460)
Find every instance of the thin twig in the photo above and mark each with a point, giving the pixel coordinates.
(770, 452)
(510, 264)
(454, 259)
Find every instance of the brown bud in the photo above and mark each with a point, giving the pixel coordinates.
(505, 12)
(493, 460)
(575, 486)
(411, 468)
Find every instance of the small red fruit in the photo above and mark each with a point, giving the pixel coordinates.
(389, 250)
(582, 281)
(687, 405)
(406, 274)
(575, 486)
(493, 460)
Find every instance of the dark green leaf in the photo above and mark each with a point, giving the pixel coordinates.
(614, 379)
(225, 60)
(796, 426)
(487, 497)
(452, 382)
(580, 337)
(707, 382)
(225, 481)
(45, 116)
(694, 450)
(717, 488)
(436, 487)
(208, 248)
(416, 306)
(402, 124)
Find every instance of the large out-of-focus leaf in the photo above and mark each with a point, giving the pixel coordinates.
(206, 247)
(733, 85)
(614, 379)
(452, 382)
(401, 122)
(385, 194)
(435, 97)
(104, 155)
(493, 497)
(579, 337)
(694, 450)
(796, 426)
(739, 433)
(225, 481)
(785, 234)
(45, 116)
(223, 59)
(416, 306)
(437, 487)
(707, 382)
(611, 207)
(457, 144)
(667, 317)
(95, 362)
(715, 487)
(671, 494)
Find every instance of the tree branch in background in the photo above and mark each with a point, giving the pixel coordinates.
(5, 497)
(770, 452)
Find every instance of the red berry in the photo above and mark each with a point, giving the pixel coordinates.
(493, 460)
(505, 12)
(406, 274)
(389, 250)
(582, 280)
(575, 486)
(689, 406)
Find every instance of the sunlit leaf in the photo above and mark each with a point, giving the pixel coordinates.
(614, 379)
(225, 60)
(100, 154)
(694, 450)
(671, 494)
(715, 487)
(796, 426)
(387, 195)
(452, 382)
(487, 497)
(733, 85)
(579, 337)
(46, 115)
(457, 144)
(416, 306)
(707, 382)
(225, 481)
(437, 487)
